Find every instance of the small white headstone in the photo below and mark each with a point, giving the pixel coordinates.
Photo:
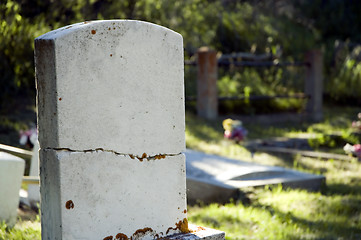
(111, 131)
(11, 173)
(34, 189)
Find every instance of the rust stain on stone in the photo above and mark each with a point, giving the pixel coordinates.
(146, 157)
(141, 232)
(93, 31)
(182, 226)
(159, 156)
(142, 157)
(198, 229)
(69, 204)
(170, 228)
(160, 238)
(136, 235)
(60, 99)
(111, 55)
(108, 238)
(185, 211)
(121, 236)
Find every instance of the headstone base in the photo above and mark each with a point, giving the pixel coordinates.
(84, 197)
(198, 232)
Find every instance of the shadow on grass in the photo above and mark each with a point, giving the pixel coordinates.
(209, 130)
(325, 229)
(343, 189)
(284, 160)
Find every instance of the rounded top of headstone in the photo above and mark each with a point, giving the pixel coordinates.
(92, 28)
(9, 157)
(116, 85)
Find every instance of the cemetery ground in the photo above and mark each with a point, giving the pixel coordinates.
(269, 212)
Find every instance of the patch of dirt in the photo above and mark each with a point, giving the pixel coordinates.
(25, 213)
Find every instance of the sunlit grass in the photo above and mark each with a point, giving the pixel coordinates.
(23, 230)
(285, 214)
(333, 213)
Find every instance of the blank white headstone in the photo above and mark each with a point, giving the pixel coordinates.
(111, 131)
(11, 173)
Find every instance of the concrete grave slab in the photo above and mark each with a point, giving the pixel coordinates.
(198, 233)
(222, 177)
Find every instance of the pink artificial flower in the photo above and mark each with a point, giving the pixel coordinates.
(28, 137)
(228, 134)
(357, 149)
(234, 130)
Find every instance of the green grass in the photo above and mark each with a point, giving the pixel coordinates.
(276, 213)
(271, 212)
(23, 230)
(294, 214)
(329, 135)
(284, 214)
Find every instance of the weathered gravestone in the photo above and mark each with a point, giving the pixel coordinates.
(111, 131)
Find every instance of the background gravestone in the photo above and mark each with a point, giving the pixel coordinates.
(11, 172)
(111, 131)
(34, 189)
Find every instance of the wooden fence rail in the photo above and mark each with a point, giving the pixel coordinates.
(207, 68)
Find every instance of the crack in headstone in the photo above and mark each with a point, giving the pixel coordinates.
(132, 156)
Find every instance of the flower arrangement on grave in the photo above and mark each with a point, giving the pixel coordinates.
(29, 137)
(357, 124)
(234, 130)
(353, 149)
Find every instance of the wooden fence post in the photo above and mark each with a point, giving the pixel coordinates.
(207, 94)
(314, 84)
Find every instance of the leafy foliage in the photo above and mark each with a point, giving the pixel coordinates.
(16, 56)
(289, 26)
(347, 78)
